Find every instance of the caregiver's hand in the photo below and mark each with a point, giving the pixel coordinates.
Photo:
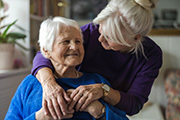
(55, 100)
(82, 96)
(94, 108)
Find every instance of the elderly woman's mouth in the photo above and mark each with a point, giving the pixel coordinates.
(72, 54)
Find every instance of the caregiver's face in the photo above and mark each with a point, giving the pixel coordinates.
(68, 47)
(109, 44)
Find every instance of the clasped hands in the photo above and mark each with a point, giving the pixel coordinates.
(60, 104)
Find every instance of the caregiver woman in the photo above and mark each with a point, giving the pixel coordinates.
(117, 48)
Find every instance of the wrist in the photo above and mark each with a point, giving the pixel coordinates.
(106, 90)
(45, 75)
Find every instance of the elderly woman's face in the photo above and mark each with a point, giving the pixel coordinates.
(68, 47)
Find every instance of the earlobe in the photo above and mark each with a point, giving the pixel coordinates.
(46, 53)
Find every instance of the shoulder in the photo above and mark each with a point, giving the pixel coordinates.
(149, 43)
(89, 27)
(151, 48)
(153, 53)
(29, 79)
(28, 83)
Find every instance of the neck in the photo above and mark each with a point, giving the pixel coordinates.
(66, 72)
(63, 71)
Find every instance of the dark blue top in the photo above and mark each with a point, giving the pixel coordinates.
(132, 76)
(28, 98)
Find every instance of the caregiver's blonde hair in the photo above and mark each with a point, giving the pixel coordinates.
(123, 20)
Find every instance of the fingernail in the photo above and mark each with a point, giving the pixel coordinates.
(64, 113)
(45, 113)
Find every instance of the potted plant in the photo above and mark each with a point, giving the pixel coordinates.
(7, 42)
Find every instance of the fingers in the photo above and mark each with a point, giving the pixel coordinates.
(75, 100)
(80, 102)
(44, 104)
(84, 101)
(66, 97)
(87, 101)
(62, 104)
(56, 105)
(51, 109)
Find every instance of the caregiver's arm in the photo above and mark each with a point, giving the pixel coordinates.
(54, 97)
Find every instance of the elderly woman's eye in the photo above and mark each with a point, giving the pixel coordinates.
(78, 41)
(66, 42)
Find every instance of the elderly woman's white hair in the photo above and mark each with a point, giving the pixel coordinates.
(125, 19)
(49, 30)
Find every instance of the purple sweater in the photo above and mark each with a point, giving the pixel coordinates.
(132, 76)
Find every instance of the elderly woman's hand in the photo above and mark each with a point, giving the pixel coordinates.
(82, 96)
(41, 116)
(95, 109)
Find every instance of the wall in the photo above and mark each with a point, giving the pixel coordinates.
(171, 59)
(9, 81)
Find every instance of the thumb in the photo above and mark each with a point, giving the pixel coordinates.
(66, 97)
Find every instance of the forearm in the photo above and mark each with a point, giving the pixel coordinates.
(45, 75)
(124, 101)
(132, 101)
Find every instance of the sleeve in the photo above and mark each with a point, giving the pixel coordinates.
(39, 62)
(15, 111)
(133, 100)
(113, 113)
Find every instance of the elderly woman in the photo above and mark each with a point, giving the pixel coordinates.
(117, 48)
(61, 42)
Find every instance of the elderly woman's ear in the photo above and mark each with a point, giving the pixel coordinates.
(47, 54)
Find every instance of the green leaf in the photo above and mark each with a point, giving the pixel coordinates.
(16, 35)
(5, 32)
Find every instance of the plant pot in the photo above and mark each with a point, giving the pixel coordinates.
(6, 56)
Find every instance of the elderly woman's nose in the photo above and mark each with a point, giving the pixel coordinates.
(73, 45)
